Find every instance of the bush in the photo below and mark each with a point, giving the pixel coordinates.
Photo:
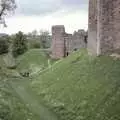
(19, 44)
(34, 44)
(3, 45)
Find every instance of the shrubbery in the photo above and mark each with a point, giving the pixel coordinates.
(34, 44)
(19, 44)
(4, 45)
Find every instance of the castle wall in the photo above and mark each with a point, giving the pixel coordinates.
(68, 43)
(63, 43)
(92, 24)
(78, 40)
(109, 26)
(104, 34)
(58, 43)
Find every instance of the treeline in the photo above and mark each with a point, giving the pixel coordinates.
(39, 39)
(19, 43)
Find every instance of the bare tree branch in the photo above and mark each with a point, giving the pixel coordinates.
(2, 11)
(6, 7)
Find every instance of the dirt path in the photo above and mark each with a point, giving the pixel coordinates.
(23, 90)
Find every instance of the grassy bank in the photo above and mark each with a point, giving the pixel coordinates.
(82, 87)
(33, 60)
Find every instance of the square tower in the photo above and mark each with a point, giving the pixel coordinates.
(58, 42)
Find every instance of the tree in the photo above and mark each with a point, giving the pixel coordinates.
(4, 44)
(34, 33)
(44, 38)
(6, 7)
(19, 44)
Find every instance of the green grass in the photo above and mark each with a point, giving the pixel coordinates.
(14, 105)
(11, 106)
(81, 87)
(4, 67)
(23, 89)
(33, 60)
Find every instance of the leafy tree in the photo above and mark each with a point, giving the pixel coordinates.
(6, 7)
(34, 33)
(33, 40)
(35, 44)
(19, 44)
(4, 44)
(45, 39)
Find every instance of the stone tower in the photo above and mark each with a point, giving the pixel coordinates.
(108, 26)
(63, 43)
(58, 42)
(105, 37)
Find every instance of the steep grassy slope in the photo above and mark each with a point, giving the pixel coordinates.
(11, 106)
(33, 60)
(4, 66)
(82, 87)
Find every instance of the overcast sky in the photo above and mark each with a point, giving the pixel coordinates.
(42, 14)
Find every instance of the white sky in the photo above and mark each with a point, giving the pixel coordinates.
(73, 19)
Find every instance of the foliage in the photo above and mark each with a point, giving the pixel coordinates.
(4, 44)
(19, 44)
(42, 40)
(45, 39)
(33, 44)
(36, 45)
(81, 87)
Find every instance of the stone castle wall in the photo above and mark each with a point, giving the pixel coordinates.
(63, 43)
(79, 40)
(58, 43)
(107, 27)
(103, 32)
(68, 43)
(92, 24)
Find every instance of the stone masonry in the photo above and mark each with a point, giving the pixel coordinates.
(92, 24)
(104, 26)
(79, 39)
(58, 43)
(63, 43)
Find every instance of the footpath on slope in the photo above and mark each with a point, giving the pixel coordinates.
(22, 89)
(49, 67)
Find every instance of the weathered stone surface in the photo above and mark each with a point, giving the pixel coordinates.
(109, 20)
(63, 43)
(92, 24)
(79, 40)
(58, 43)
(107, 27)
(68, 44)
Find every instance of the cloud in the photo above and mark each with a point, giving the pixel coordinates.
(72, 21)
(43, 7)
(42, 14)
